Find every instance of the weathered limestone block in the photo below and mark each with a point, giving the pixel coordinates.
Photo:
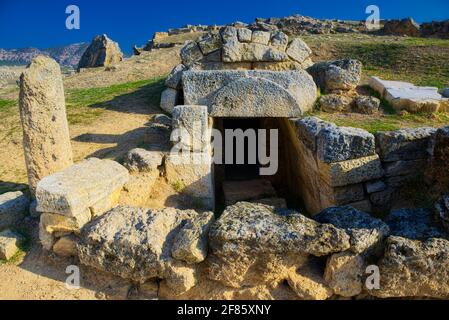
(46, 239)
(408, 167)
(191, 174)
(244, 34)
(407, 96)
(102, 52)
(251, 244)
(254, 97)
(229, 34)
(145, 168)
(180, 279)
(440, 159)
(234, 51)
(344, 273)
(65, 246)
(210, 43)
(307, 130)
(191, 53)
(141, 160)
(46, 138)
(338, 75)
(204, 65)
(348, 172)
(335, 103)
(293, 91)
(366, 232)
(308, 284)
(13, 207)
(191, 128)
(367, 104)
(52, 223)
(80, 187)
(277, 66)
(169, 99)
(174, 78)
(190, 244)
(272, 202)
(279, 40)
(261, 37)
(9, 244)
(344, 143)
(410, 268)
(298, 50)
(340, 195)
(417, 224)
(404, 144)
(113, 243)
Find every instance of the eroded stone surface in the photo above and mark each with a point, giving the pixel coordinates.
(366, 233)
(114, 243)
(79, 187)
(344, 143)
(9, 244)
(190, 244)
(46, 138)
(251, 243)
(404, 144)
(102, 52)
(250, 93)
(338, 75)
(13, 207)
(411, 268)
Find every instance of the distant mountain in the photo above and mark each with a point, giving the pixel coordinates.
(65, 56)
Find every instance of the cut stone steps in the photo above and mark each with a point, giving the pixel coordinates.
(247, 190)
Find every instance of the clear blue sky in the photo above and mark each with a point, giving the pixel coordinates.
(27, 23)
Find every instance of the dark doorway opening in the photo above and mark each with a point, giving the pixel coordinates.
(246, 171)
(243, 182)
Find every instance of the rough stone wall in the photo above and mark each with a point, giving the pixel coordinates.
(347, 166)
(234, 48)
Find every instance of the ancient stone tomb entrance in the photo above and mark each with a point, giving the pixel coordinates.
(252, 106)
(253, 164)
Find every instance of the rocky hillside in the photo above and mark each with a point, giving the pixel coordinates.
(65, 55)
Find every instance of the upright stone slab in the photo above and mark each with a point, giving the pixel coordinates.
(46, 138)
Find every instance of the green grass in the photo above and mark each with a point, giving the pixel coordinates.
(418, 60)
(414, 60)
(385, 122)
(85, 105)
(5, 105)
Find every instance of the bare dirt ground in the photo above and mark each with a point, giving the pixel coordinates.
(111, 134)
(36, 274)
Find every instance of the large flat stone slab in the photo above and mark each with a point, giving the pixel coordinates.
(13, 207)
(253, 93)
(407, 96)
(80, 187)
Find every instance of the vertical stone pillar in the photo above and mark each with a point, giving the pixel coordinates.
(46, 139)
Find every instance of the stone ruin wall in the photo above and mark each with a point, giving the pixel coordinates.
(82, 207)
